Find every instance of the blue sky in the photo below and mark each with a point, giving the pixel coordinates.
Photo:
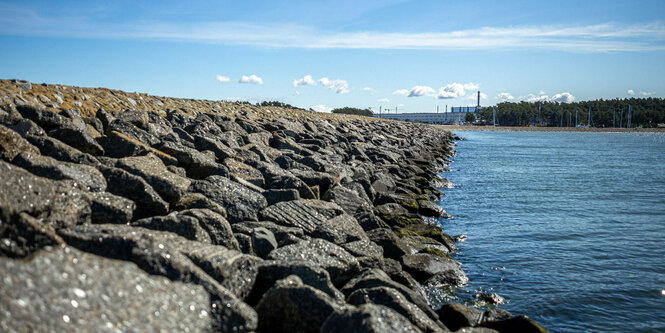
(410, 55)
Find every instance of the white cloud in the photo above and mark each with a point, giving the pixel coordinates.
(418, 91)
(597, 38)
(631, 92)
(647, 93)
(471, 86)
(475, 96)
(297, 93)
(452, 90)
(372, 91)
(403, 92)
(321, 108)
(305, 81)
(253, 79)
(504, 96)
(564, 97)
(542, 92)
(340, 86)
(534, 98)
(383, 100)
(222, 78)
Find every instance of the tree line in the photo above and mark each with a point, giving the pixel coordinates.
(646, 112)
(356, 111)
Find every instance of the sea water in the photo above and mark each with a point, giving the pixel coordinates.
(568, 227)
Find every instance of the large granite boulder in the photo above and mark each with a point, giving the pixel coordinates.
(305, 214)
(66, 290)
(135, 188)
(292, 306)
(170, 186)
(48, 167)
(341, 265)
(368, 318)
(60, 151)
(423, 266)
(241, 203)
(11, 144)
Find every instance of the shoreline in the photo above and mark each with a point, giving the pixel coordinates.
(262, 213)
(547, 129)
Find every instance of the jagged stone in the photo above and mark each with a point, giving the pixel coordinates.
(244, 171)
(135, 188)
(283, 235)
(304, 214)
(51, 168)
(340, 229)
(77, 138)
(393, 247)
(198, 200)
(315, 276)
(197, 164)
(456, 315)
(179, 259)
(341, 265)
(520, 323)
(215, 224)
(393, 299)
(241, 203)
(48, 120)
(368, 318)
(60, 151)
(291, 306)
(367, 252)
(11, 144)
(22, 235)
(68, 290)
(372, 278)
(274, 196)
(423, 266)
(170, 186)
(263, 241)
(354, 205)
(185, 226)
(221, 150)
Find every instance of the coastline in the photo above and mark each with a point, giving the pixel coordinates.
(260, 213)
(546, 129)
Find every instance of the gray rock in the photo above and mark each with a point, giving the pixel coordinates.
(198, 200)
(134, 117)
(323, 180)
(304, 214)
(291, 306)
(341, 265)
(274, 196)
(448, 278)
(241, 203)
(23, 235)
(167, 254)
(367, 252)
(423, 266)
(11, 144)
(340, 229)
(108, 208)
(59, 205)
(393, 247)
(456, 315)
(393, 299)
(263, 241)
(60, 151)
(424, 244)
(520, 323)
(354, 205)
(372, 278)
(221, 150)
(283, 235)
(48, 167)
(367, 318)
(125, 184)
(48, 120)
(67, 290)
(215, 224)
(244, 171)
(185, 226)
(496, 315)
(133, 132)
(428, 208)
(316, 277)
(170, 186)
(77, 138)
(197, 164)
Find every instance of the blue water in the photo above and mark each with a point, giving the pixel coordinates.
(568, 227)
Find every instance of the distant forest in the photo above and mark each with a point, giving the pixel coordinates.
(646, 112)
(356, 111)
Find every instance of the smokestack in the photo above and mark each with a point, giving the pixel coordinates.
(478, 99)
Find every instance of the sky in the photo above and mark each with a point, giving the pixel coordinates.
(409, 56)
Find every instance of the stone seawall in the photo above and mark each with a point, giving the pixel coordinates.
(131, 212)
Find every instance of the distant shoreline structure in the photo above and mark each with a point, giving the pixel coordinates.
(547, 129)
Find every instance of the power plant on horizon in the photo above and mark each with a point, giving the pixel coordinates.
(456, 115)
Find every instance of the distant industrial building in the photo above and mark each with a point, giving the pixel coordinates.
(456, 115)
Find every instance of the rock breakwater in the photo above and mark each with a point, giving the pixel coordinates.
(156, 214)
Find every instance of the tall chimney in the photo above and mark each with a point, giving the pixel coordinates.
(478, 99)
